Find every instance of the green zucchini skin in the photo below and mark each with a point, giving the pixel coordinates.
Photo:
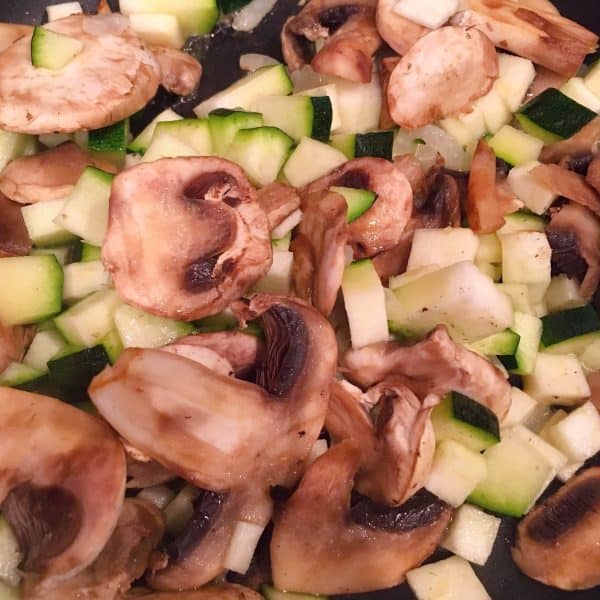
(375, 143)
(322, 116)
(567, 324)
(469, 411)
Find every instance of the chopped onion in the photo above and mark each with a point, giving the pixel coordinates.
(305, 79)
(252, 14)
(404, 143)
(318, 448)
(287, 224)
(60, 11)
(242, 546)
(180, 510)
(251, 61)
(427, 155)
(51, 140)
(159, 495)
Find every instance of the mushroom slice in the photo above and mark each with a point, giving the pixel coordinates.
(320, 242)
(386, 66)
(112, 77)
(146, 473)
(593, 173)
(63, 481)
(544, 37)
(582, 143)
(574, 236)
(544, 79)
(123, 560)
(185, 236)
(234, 428)
(400, 33)
(11, 32)
(48, 175)
(557, 542)
(13, 342)
(435, 365)
(180, 72)
(349, 33)
(379, 228)
(215, 591)
(318, 546)
(487, 199)
(441, 75)
(278, 200)
(14, 237)
(397, 452)
(593, 380)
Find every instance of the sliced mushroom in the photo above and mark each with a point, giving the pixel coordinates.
(14, 237)
(544, 79)
(48, 175)
(279, 201)
(146, 473)
(397, 451)
(582, 143)
(441, 75)
(557, 542)
(574, 236)
(439, 202)
(386, 66)
(435, 365)
(221, 591)
(63, 482)
(544, 37)
(112, 77)
(319, 246)
(399, 33)
(379, 228)
(123, 560)
(593, 173)
(488, 201)
(593, 380)
(180, 72)
(11, 32)
(13, 343)
(318, 546)
(349, 33)
(185, 236)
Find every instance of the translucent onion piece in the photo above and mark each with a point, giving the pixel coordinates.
(252, 14)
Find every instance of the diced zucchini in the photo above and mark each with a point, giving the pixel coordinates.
(488, 249)
(397, 281)
(278, 280)
(529, 330)
(329, 90)
(282, 244)
(514, 146)
(465, 421)
(358, 201)
(562, 294)
(522, 220)
(85, 211)
(195, 133)
(271, 593)
(311, 160)
(167, 146)
(557, 459)
(568, 471)
(142, 141)
(225, 123)
(110, 143)
(516, 476)
(553, 115)
(39, 220)
(18, 373)
(571, 330)
(373, 143)
(266, 81)
(51, 140)
(428, 13)
(62, 10)
(590, 357)
(592, 78)
(83, 278)
(577, 90)
(88, 321)
(365, 304)
(139, 329)
(492, 270)
(519, 294)
(495, 111)
(457, 130)
(536, 197)
(112, 345)
(472, 534)
(521, 407)
(298, 116)
(31, 289)
(287, 225)
(180, 510)
(459, 296)
(44, 346)
(51, 50)
(442, 247)
(515, 75)
(359, 105)
(64, 254)
(10, 557)
(13, 145)
(224, 321)
(195, 16)
(159, 29)
(557, 379)
(473, 122)
(504, 343)
(455, 472)
(89, 252)
(261, 152)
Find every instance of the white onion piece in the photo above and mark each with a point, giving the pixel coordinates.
(252, 14)
(426, 155)
(404, 143)
(317, 449)
(242, 546)
(252, 61)
(159, 495)
(287, 225)
(51, 140)
(114, 24)
(444, 143)
(180, 510)
(305, 79)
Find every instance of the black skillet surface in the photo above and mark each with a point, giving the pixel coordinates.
(219, 56)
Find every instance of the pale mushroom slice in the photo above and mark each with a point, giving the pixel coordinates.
(11, 32)
(63, 482)
(379, 228)
(279, 201)
(123, 560)
(113, 76)
(220, 591)
(49, 175)
(13, 343)
(434, 365)
(180, 73)
(185, 236)
(14, 237)
(557, 542)
(584, 142)
(442, 74)
(322, 545)
(399, 32)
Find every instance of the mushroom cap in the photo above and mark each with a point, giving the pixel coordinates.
(180, 71)
(14, 237)
(399, 32)
(63, 481)
(112, 77)
(185, 236)
(441, 75)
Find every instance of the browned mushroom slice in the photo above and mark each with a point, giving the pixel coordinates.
(349, 33)
(185, 236)
(221, 591)
(320, 546)
(14, 237)
(544, 79)
(180, 73)
(48, 175)
(112, 77)
(11, 32)
(124, 559)
(544, 37)
(141, 474)
(582, 143)
(593, 173)
(593, 380)
(13, 342)
(278, 200)
(400, 33)
(386, 66)
(557, 542)
(434, 365)
(63, 481)
(234, 428)
(441, 75)
(320, 241)
(379, 228)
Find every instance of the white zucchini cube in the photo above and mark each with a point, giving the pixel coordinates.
(62, 10)
(536, 197)
(360, 105)
(521, 407)
(515, 146)
(457, 129)
(577, 90)
(489, 249)
(592, 79)
(455, 472)
(278, 280)
(472, 534)
(494, 109)
(578, 434)
(568, 471)
(474, 121)
(44, 346)
(310, 160)
(84, 278)
(331, 91)
(554, 457)
(442, 247)
(449, 579)
(40, 224)
(519, 294)
(11, 556)
(159, 29)
(429, 13)
(515, 75)
(562, 294)
(13, 145)
(526, 258)
(557, 379)
(242, 546)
